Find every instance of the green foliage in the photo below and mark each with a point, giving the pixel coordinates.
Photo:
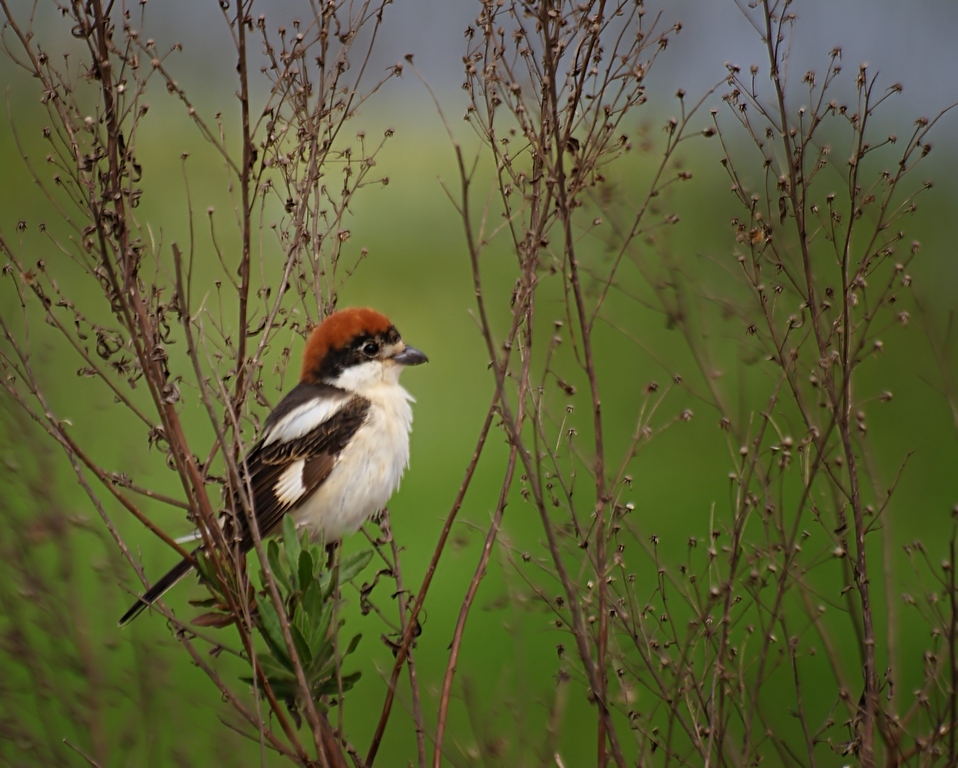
(312, 599)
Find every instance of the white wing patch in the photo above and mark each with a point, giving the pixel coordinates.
(289, 489)
(304, 419)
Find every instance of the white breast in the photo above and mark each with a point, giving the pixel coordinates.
(367, 472)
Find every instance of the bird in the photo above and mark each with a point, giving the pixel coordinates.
(334, 449)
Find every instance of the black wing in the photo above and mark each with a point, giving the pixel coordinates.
(265, 466)
(318, 449)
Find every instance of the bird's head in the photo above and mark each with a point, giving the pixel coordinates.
(356, 349)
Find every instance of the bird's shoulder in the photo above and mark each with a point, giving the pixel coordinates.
(310, 419)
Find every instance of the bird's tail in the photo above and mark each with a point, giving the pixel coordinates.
(155, 592)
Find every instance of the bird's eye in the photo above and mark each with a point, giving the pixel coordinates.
(371, 348)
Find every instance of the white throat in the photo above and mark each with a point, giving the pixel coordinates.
(369, 378)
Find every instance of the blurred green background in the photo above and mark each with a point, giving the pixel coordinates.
(154, 706)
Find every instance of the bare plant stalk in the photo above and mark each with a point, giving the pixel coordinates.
(134, 308)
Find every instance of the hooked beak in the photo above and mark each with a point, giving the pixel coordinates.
(410, 356)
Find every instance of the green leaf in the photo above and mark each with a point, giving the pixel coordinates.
(272, 668)
(319, 559)
(284, 688)
(352, 645)
(272, 555)
(348, 569)
(272, 631)
(302, 647)
(321, 622)
(350, 680)
(301, 619)
(291, 543)
(305, 570)
(312, 609)
(323, 648)
(331, 687)
(323, 659)
(352, 566)
(205, 570)
(281, 679)
(326, 585)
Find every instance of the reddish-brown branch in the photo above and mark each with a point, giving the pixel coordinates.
(412, 624)
(451, 664)
(243, 271)
(580, 632)
(557, 146)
